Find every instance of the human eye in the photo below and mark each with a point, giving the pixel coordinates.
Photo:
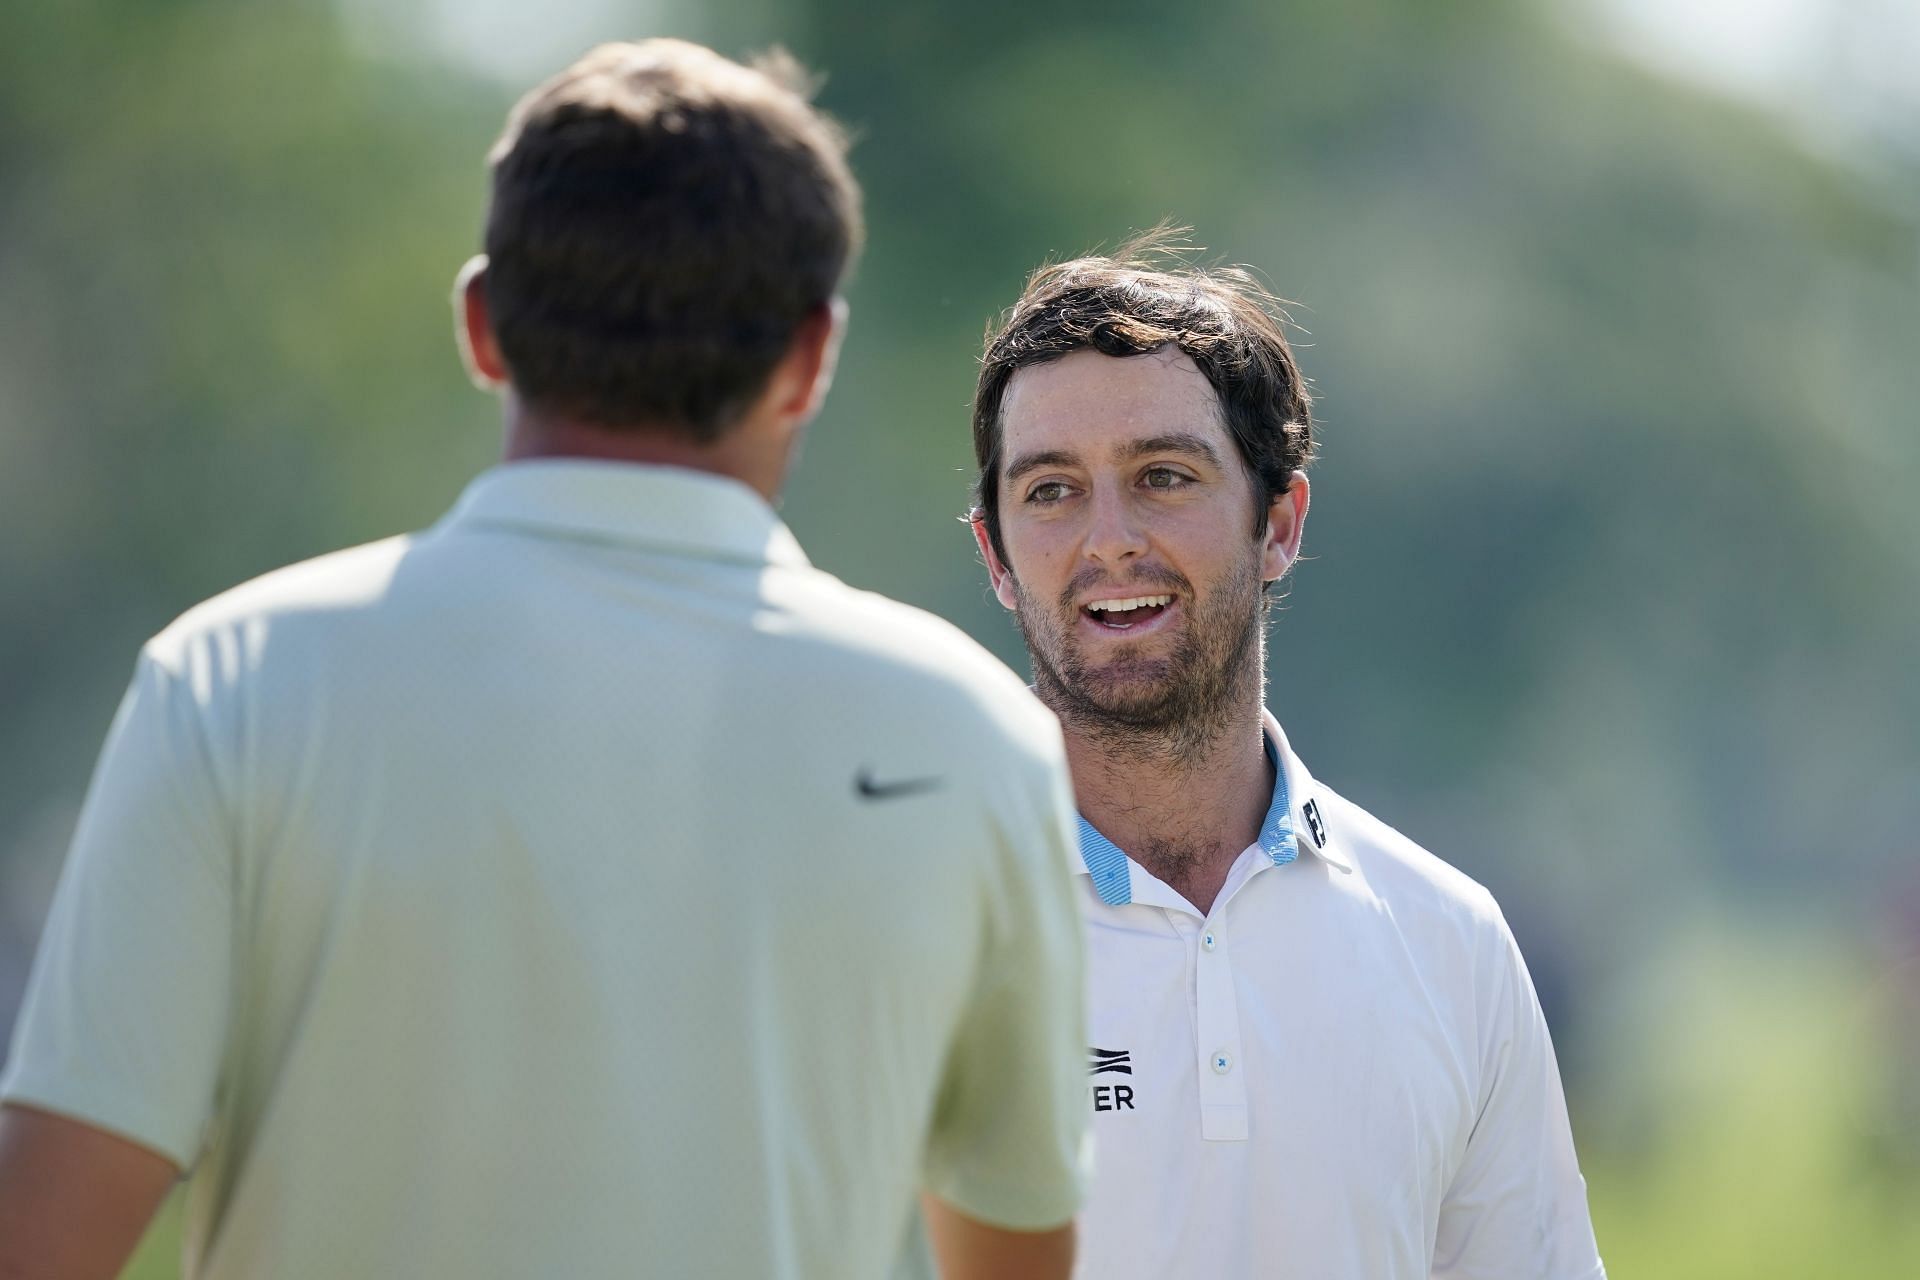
(1164, 478)
(1047, 491)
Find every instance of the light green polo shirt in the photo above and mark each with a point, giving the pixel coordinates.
(586, 886)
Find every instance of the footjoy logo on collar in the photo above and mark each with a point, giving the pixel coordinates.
(1311, 812)
(865, 785)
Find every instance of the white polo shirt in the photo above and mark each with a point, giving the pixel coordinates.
(1340, 1073)
(583, 887)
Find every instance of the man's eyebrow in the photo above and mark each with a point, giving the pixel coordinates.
(1173, 442)
(1182, 442)
(1040, 458)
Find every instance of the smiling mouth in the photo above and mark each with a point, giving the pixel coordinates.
(1125, 614)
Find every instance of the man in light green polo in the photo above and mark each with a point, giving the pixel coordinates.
(585, 886)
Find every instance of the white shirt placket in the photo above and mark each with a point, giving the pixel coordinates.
(1222, 1072)
(1223, 1076)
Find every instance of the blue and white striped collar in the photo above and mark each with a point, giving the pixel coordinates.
(1112, 871)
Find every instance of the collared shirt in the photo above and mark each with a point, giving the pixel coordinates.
(581, 887)
(1340, 1072)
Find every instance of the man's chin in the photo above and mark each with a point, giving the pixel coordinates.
(1136, 692)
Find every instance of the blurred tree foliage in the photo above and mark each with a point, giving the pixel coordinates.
(1612, 590)
(1611, 597)
(226, 240)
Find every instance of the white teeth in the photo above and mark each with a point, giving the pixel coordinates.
(1135, 602)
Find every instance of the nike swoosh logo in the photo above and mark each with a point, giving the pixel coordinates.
(868, 788)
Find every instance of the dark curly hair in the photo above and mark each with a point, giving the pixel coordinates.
(1148, 295)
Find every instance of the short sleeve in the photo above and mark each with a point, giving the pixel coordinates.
(1517, 1206)
(1009, 1145)
(125, 1013)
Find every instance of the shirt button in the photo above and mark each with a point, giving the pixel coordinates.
(1206, 940)
(1222, 1063)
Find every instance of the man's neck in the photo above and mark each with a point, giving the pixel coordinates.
(1184, 810)
(745, 452)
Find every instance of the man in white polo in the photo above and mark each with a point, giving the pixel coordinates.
(1314, 1051)
(585, 886)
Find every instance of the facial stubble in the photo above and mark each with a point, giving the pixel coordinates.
(1174, 705)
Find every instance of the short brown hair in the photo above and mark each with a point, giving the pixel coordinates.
(662, 221)
(1148, 295)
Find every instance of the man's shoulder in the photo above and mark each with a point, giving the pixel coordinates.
(1415, 882)
(345, 582)
(902, 649)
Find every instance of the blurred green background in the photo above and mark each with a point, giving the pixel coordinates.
(1613, 309)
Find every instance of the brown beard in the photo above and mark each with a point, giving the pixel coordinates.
(1176, 705)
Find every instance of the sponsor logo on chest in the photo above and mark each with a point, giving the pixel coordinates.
(1111, 1095)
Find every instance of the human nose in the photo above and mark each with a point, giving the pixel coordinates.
(1114, 534)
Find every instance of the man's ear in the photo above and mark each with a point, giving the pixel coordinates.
(805, 374)
(1286, 523)
(997, 573)
(473, 327)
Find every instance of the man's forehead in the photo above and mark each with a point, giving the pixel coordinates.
(1096, 404)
